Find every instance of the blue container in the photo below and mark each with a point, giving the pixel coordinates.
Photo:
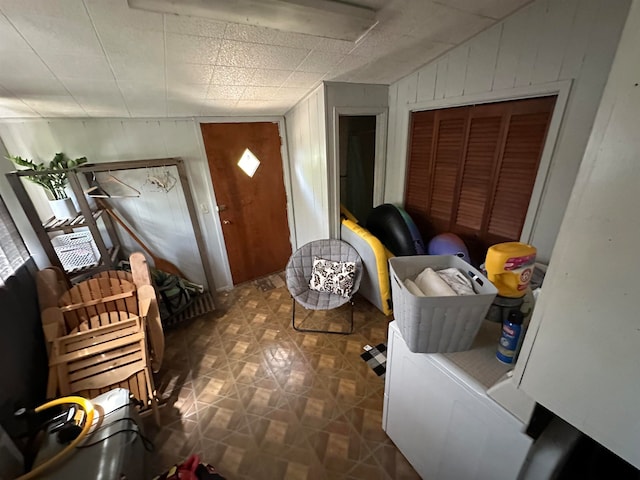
(511, 337)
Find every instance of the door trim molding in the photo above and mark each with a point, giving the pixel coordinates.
(333, 171)
(286, 178)
(561, 88)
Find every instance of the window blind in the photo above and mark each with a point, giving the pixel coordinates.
(13, 253)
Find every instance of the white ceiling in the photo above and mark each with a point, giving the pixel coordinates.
(99, 58)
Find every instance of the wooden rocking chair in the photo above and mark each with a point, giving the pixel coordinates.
(100, 334)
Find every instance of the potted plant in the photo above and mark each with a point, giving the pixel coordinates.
(54, 181)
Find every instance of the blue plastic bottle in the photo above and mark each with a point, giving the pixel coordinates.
(511, 335)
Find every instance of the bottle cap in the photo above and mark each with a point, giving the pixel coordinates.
(516, 317)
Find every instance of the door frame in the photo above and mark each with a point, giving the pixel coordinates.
(286, 178)
(333, 171)
(561, 88)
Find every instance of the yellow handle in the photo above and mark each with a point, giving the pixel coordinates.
(87, 406)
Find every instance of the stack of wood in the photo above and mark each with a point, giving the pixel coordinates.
(102, 333)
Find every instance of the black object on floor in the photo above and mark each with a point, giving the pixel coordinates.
(376, 358)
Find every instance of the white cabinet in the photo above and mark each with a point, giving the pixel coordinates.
(442, 420)
(584, 361)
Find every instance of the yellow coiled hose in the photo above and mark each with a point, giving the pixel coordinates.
(87, 406)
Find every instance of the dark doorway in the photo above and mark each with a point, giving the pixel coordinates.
(357, 153)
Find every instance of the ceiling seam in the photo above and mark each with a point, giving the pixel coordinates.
(164, 56)
(45, 64)
(457, 9)
(106, 56)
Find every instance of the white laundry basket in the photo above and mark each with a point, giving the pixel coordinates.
(438, 324)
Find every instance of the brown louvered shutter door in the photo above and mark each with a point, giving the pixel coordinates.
(416, 191)
(517, 168)
(486, 128)
(450, 135)
(471, 170)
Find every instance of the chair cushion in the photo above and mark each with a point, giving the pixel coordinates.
(332, 277)
(301, 264)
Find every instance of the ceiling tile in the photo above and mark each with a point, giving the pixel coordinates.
(298, 40)
(96, 106)
(290, 93)
(194, 26)
(118, 61)
(274, 107)
(10, 39)
(443, 24)
(333, 45)
(79, 87)
(189, 73)
(259, 93)
(249, 33)
(218, 107)
(14, 108)
(225, 92)
(182, 108)
(495, 9)
(349, 63)
(320, 62)
(24, 64)
(75, 66)
(303, 79)
(128, 69)
(132, 43)
(265, 77)
(57, 34)
(192, 49)
(116, 13)
(48, 105)
(147, 107)
(34, 85)
(422, 50)
(186, 91)
(252, 55)
(232, 75)
(57, 8)
(142, 89)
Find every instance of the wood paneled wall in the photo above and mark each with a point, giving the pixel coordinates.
(547, 41)
(308, 167)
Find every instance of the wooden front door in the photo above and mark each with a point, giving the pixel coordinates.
(253, 209)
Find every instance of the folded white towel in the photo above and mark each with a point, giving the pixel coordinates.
(413, 288)
(457, 281)
(432, 285)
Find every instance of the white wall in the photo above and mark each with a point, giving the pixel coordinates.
(161, 219)
(548, 41)
(585, 332)
(308, 167)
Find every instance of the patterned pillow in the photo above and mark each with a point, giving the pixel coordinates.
(332, 277)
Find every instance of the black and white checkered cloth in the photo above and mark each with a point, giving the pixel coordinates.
(376, 358)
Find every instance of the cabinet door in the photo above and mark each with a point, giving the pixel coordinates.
(471, 170)
(444, 423)
(584, 363)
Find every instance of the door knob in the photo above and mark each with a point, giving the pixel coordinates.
(226, 222)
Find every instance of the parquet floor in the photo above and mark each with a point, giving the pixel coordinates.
(258, 400)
